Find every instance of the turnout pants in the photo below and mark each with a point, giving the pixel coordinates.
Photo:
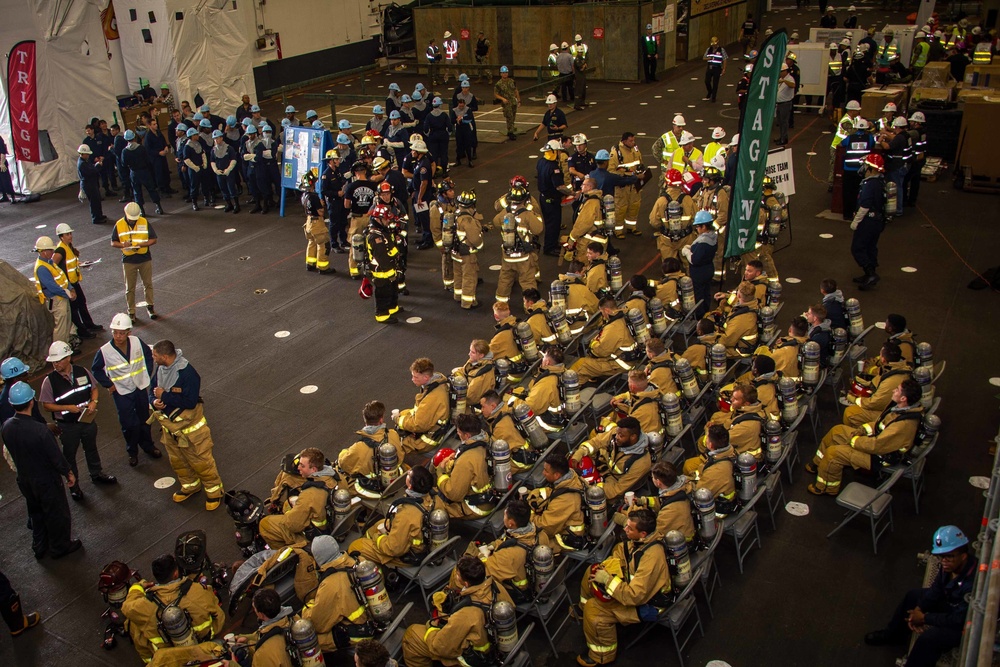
(466, 268)
(589, 368)
(48, 511)
(627, 202)
(188, 441)
(317, 236)
(73, 435)
(357, 225)
(447, 270)
(133, 413)
(367, 546)
(855, 416)
(275, 531)
(416, 653)
(386, 298)
(834, 453)
(600, 623)
(521, 270)
(138, 271)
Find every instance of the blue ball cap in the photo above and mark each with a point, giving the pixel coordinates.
(311, 114)
(289, 109)
(204, 108)
(254, 109)
(231, 121)
(318, 124)
(394, 115)
(205, 123)
(602, 155)
(504, 70)
(129, 135)
(436, 101)
(265, 128)
(394, 86)
(21, 394)
(181, 127)
(251, 129)
(217, 134)
(344, 124)
(12, 367)
(419, 86)
(417, 96)
(378, 110)
(407, 98)
(192, 133)
(343, 140)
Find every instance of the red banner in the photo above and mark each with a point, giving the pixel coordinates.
(23, 99)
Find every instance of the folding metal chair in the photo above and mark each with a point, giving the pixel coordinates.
(518, 657)
(913, 469)
(676, 618)
(546, 605)
(595, 554)
(393, 491)
(875, 503)
(774, 491)
(434, 569)
(742, 527)
(687, 325)
(493, 520)
(705, 561)
(392, 637)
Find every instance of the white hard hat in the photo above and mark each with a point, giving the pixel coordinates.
(679, 120)
(133, 211)
(891, 106)
(852, 8)
(977, 30)
(918, 117)
(853, 105)
(846, 41)
(926, 27)
(718, 161)
(686, 138)
(735, 140)
(63, 228)
(718, 133)
(447, 34)
(795, 35)
(418, 146)
(59, 350)
(748, 67)
(564, 45)
(899, 121)
(553, 145)
(579, 139)
(553, 47)
(833, 46)
(84, 149)
(121, 322)
(938, 34)
(551, 99)
(861, 124)
(44, 243)
(578, 38)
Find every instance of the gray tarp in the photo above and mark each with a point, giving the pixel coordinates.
(25, 324)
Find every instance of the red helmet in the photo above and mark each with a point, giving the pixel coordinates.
(875, 161)
(442, 455)
(587, 469)
(373, 133)
(691, 181)
(385, 186)
(114, 581)
(519, 181)
(674, 177)
(597, 589)
(380, 212)
(858, 389)
(367, 289)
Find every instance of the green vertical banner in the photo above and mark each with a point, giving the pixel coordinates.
(755, 140)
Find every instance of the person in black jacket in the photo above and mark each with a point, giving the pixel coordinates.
(117, 148)
(701, 257)
(833, 301)
(158, 148)
(820, 331)
(936, 613)
(89, 173)
(140, 166)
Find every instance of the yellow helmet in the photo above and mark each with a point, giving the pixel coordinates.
(467, 198)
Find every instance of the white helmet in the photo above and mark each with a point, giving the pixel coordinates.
(418, 146)
(718, 161)
(686, 138)
(84, 149)
(853, 105)
(63, 228)
(833, 46)
(891, 106)
(578, 38)
(59, 350)
(718, 133)
(679, 120)
(121, 322)
(735, 140)
(551, 99)
(920, 34)
(846, 41)
(861, 124)
(579, 139)
(899, 121)
(133, 211)
(553, 47)
(852, 8)
(918, 117)
(564, 45)
(447, 34)
(553, 145)
(44, 243)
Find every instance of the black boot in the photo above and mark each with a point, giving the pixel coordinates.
(208, 204)
(871, 279)
(236, 205)
(194, 205)
(256, 206)
(15, 618)
(229, 206)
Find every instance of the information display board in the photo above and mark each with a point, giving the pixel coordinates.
(303, 150)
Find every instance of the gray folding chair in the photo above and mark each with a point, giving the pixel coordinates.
(343, 524)
(811, 403)
(673, 451)
(393, 491)
(493, 520)
(518, 657)
(774, 494)
(875, 503)
(676, 618)
(392, 637)
(596, 553)
(742, 527)
(687, 325)
(547, 604)
(705, 561)
(913, 469)
(435, 568)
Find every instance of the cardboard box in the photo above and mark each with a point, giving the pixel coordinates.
(978, 94)
(935, 75)
(943, 94)
(983, 76)
(977, 139)
(873, 99)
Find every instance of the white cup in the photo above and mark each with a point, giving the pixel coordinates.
(629, 498)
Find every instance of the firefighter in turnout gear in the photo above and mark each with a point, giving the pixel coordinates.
(307, 511)
(479, 372)
(543, 396)
(892, 371)
(507, 558)
(519, 229)
(621, 453)
(459, 629)
(626, 160)
(464, 480)
(642, 401)
(504, 344)
(716, 471)
(557, 507)
(786, 350)
(468, 243)
(304, 579)
(269, 646)
(596, 272)
(660, 368)
(175, 396)
(420, 424)
(358, 464)
(633, 586)
(612, 350)
(442, 217)
(714, 198)
(879, 442)
(739, 329)
(403, 537)
(381, 257)
(589, 224)
(338, 616)
(536, 313)
(765, 240)
(146, 600)
(317, 234)
(673, 233)
(500, 424)
(744, 421)
(672, 503)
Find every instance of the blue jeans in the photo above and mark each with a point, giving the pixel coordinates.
(898, 177)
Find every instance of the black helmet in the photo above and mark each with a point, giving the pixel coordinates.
(467, 198)
(290, 464)
(445, 185)
(244, 507)
(360, 165)
(518, 194)
(190, 551)
(711, 173)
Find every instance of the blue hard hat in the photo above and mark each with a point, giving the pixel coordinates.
(254, 109)
(251, 129)
(463, 77)
(247, 121)
(344, 124)
(181, 127)
(466, 84)
(394, 86)
(394, 115)
(231, 121)
(946, 538)
(343, 140)
(289, 109)
(129, 135)
(198, 116)
(285, 122)
(205, 123)
(265, 128)
(21, 394)
(407, 98)
(602, 155)
(311, 114)
(703, 218)
(217, 134)
(378, 110)
(504, 70)
(419, 86)
(204, 108)
(436, 101)
(192, 132)
(417, 96)
(318, 124)
(12, 367)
